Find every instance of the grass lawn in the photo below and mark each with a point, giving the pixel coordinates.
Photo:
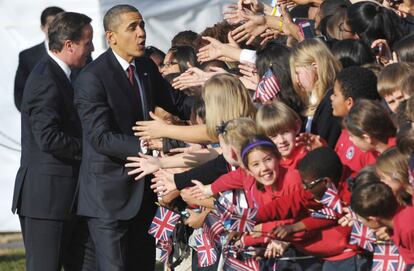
(12, 260)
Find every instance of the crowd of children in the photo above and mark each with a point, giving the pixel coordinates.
(299, 151)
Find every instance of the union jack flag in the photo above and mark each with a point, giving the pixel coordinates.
(233, 264)
(387, 258)
(224, 208)
(165, 248)
(243, 219)
(324, 213)
(213, 227)
(163, 223)
(206, 252)
(362, 236)
(331, 199)
(268, 87)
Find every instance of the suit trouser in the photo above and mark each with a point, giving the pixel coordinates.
(51, 244)
(125, 245)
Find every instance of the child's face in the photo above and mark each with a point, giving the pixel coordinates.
(394, 99)
(361, 142)
(285, 142)
(316, 186)
(306, 77)
(263, 166)
(228, 152)
(340, 105)
(370, 222)
(388, 180)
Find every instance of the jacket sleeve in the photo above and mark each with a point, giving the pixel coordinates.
(205, 173)
(20, 79)
(97, 119)
(43, 104)
(229, 181)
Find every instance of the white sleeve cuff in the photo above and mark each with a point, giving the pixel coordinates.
(247, 55)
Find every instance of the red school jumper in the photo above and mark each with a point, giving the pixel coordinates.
(403, 237)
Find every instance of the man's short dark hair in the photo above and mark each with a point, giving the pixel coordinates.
(66, 26)
(320, 163)
(49, 11)
(358, 83)
(111, 18)
(374, 199)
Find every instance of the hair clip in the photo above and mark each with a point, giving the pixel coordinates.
(221, 129)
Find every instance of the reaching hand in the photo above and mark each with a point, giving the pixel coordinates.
(218, 50)
(143, 164)
(195, 220)
(150, 129)
(275, 249)
(310, 141)
(253, 27)
(200, 191)
(163, 183)
(281, 232)
(192, 147)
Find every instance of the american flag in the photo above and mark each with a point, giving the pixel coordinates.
(324, 213)
(206, 252)
(213, 227)
(362, 236)
(163, 223)
(387, 258)
(332, 200)
(166, 248)
(233, 264)
(268, 87)
(243, 219)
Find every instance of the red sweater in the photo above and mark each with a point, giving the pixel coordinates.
(352, 158)
(329, 243)
(294, 158)
(403, 236)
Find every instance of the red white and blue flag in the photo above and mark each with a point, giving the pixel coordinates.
(224, 208)
(165, 248)
(324, 213)
(268, 87)
(163, 224)
(213, 227)
(206, 252)
(332, 200)
(387, 258)
(233, 264)
(243, 219)
(362, 236)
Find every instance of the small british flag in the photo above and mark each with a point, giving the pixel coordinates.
(213, 227)
(163, 224)
(268, 87)
(362, 236)
(165, 248)
(324, 213)
(387, 258)
(332, 200)
(206, 252)
(243, 219)
(233, 264)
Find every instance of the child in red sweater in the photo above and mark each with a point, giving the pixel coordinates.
(376, 206)
(281, 124)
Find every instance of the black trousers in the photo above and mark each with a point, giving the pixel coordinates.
(53, 244)
(125, 245)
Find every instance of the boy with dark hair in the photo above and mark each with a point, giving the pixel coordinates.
(352, 84)
(377, 206)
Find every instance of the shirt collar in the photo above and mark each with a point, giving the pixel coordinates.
(46, 45)
(61, 64)
(124, 64)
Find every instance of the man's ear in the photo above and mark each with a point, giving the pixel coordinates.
(110, 37)
(68, 46)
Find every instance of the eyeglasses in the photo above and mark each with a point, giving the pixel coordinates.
(342, 29)
(312, 184)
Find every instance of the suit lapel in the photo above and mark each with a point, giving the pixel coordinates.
(145, 84)
(61, 77)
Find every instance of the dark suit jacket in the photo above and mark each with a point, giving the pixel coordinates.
(47, 179)
(108, 107)
(27, 61)
(324, 123)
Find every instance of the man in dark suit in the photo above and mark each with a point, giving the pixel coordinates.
(30, 57)
(113, 92)
(46, 183)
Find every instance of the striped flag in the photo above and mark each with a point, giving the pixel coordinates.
(243, 219)
(163, 224)
(233, 264)
(166, 248)
(213, 227)
(268, 87)
(324, 213)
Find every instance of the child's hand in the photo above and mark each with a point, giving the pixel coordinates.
(382, 234)
(163, 183)
(281, 232)
(275, 249)
(200, 191)
(347, 220)
(310, 141)
(257, 230)
(195, 220)
(188, 198)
